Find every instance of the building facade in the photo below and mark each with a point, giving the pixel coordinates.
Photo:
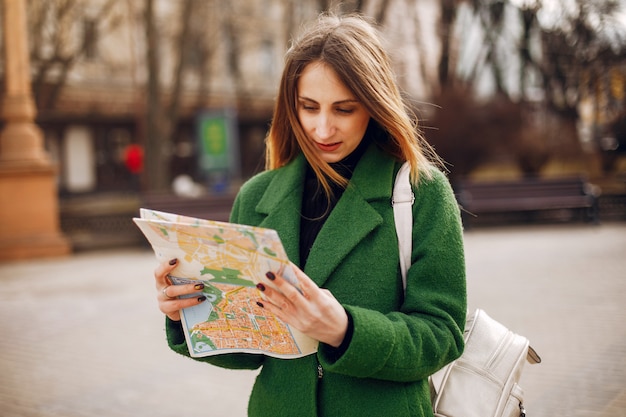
(92, 77)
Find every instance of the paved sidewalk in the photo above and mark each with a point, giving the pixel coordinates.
(82, 336)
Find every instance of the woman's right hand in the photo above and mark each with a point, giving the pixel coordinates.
(168, 295)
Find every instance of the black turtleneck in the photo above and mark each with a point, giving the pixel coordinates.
(316, 205)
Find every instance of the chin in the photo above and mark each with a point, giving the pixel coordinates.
(332, 159)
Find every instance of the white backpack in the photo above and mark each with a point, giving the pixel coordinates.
(483, 382)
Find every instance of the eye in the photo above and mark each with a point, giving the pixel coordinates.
(308, 107)
(344, 110)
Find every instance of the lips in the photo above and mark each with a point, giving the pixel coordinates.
(330, 147)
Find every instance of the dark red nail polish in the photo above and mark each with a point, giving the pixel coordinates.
(260, 287)
(270, 275)
(201, 298)
(260, 304)
(173, 261)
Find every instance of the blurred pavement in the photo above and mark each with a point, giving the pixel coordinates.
(82, 336)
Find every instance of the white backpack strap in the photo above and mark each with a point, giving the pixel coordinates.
(402, 202)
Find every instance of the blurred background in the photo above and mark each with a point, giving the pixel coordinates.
(107, 106)
(160, 102)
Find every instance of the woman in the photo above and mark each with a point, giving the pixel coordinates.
(339, 135)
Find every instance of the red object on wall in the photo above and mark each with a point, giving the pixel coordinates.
(133, 158)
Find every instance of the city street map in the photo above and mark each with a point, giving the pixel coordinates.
(230, 259)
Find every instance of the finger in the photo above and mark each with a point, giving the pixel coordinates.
(327, 294)
(276, 304)
(161, 271)
(173, 291)
(308, 287)
(284, 287)
(270, 295)
(172, 308)
(165, 294)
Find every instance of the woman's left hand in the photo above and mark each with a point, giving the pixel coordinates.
(314, 311)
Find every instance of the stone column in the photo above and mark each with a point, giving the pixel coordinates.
(29, 213)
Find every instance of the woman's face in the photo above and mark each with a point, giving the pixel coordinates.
(331, 116)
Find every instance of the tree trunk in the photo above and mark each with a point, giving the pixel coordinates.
(448, 14)
(157, 161)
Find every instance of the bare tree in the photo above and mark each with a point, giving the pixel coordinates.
(163, 110)
(590, 37)
(491, 15)
(55, 46)
(234, 51)
(580, 52)
(156, 163)
(586, 40)
(204, 37)
(377, 9)
(530, 24)
(448, 9)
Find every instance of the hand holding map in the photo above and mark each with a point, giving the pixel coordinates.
(230, 259)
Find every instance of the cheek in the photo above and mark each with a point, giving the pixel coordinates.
(360, 125)
(305, 121)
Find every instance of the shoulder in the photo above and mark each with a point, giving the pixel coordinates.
(253, 189)
(285, 176)
(264, 186)
(257, 183)
(434, 194)
(433, 181)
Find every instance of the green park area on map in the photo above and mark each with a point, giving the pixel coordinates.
(230, 259)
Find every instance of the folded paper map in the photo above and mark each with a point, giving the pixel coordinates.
(230, 259)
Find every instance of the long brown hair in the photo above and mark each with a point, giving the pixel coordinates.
(351, 46)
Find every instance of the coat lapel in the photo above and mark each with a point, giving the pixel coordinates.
(351, 221)
(281, 204)
(353, 218)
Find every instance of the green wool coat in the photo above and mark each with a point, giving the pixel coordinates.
(398, 341)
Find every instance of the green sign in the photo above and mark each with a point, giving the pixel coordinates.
(218, 143)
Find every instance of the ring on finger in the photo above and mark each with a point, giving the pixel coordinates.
(164, 291)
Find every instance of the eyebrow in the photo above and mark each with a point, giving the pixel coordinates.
(346, 101)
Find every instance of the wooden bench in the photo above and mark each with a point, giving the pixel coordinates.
(209, 207)
(528, 195)
(99, 221)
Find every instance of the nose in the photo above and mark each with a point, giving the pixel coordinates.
(324, 127)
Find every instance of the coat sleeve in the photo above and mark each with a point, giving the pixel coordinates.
(427, 331)
(176, 338)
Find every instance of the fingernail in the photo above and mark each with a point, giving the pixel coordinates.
(260, 287)
(173, 261)
(260, 304)
(270, 275)
(199, 286)
(201, 298)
